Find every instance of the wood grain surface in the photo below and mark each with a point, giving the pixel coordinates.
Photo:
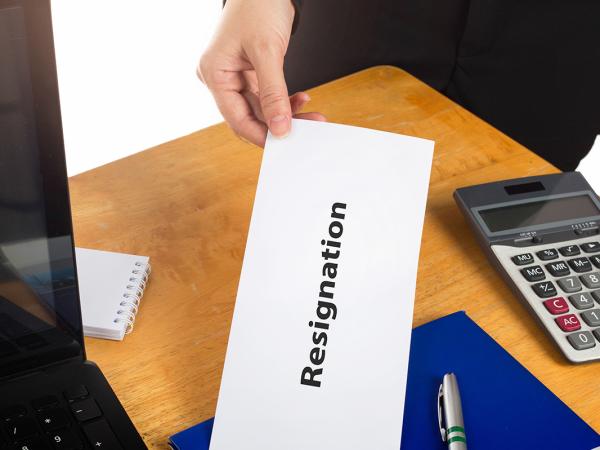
(187, 204)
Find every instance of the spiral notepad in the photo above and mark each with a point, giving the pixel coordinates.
(111, 286)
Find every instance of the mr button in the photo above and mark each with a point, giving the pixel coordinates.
(533, 273)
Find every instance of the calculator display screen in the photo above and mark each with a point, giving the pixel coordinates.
(538, 213)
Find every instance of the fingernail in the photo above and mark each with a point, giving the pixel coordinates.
(280, 126)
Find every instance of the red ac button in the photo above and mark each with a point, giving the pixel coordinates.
(570, 322)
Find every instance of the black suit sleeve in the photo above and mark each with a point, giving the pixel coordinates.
(297, 6)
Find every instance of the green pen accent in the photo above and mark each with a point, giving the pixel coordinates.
(456, 439)
(456, 430)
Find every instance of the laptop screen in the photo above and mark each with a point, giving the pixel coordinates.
(40, 320)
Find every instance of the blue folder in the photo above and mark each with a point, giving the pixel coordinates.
(504, 405)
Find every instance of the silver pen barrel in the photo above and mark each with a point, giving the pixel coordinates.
(453, 416)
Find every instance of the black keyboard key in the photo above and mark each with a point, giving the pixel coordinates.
(13, 412)
(66, 440)
(20, 428)
(101, 436)
(558, 269)
(546, 255)
(31, 444)
(533, 273)
(85, 410)
(595, 260)
(545, 289)
(569, 250)
(53, 419)
(76, 392)
(591, 247)
(47, 401)
(580, 264)
(521, 260)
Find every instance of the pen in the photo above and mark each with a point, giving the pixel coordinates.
(450, 417)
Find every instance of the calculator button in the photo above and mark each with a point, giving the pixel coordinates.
(557, 305)
(582, 340)
(597, 333)
(582, 301)
(521, 260)
(546, 255)
(595, 260)
(570, 322)
(580, 264)
(592, 318)
(570, 284)
(591, 247)
(533, 273)
(558, 269)
(544, 289)
(596, 295)
(569, 250)
(591, 280)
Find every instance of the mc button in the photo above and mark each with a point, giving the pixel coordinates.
(533, 273)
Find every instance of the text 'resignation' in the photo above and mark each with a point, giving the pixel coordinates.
(326, 310)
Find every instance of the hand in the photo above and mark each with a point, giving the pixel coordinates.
(243, 68)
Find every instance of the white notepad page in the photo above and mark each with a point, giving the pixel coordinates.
(111, 286)
(363, 192)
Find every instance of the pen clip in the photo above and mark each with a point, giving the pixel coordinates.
(440, 412)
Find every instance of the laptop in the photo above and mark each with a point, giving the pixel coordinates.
(51, 396)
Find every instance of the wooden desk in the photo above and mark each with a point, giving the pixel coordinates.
(187, 204)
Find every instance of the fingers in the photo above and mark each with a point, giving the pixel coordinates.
(273, 93)
(239, 115)
(298, 101)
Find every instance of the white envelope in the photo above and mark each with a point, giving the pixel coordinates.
(319, 344)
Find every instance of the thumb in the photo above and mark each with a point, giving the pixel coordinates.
(273, 94)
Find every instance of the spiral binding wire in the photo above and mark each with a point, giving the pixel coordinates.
(133, 296)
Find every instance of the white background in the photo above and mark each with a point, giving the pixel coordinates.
(126, 72)
(127, 77)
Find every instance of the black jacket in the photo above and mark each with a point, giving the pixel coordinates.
(529, 67)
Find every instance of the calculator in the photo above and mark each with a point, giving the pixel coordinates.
(542, 234)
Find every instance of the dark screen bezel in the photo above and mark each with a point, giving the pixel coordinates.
(40, 44)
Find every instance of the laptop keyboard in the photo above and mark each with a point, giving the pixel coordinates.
(73, 422)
